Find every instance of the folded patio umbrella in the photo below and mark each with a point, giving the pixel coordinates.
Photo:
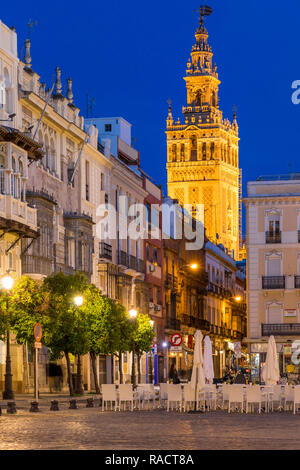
(270, 373)
(197, 379)
(208, 365)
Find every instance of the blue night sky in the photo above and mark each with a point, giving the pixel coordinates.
(131, 57)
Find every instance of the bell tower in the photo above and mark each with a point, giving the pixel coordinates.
(202, 148)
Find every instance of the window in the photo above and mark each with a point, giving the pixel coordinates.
(87, 179)
(274, 313)
(274, 267)
(155, 260)
(148, 255)
(107, 127)
(102, 181)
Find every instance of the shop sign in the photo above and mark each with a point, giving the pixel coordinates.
(176, 349)
(237, 349)
(290, 312)
(287, 350)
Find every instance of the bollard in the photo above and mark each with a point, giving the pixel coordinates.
(34, 407)
(54, 405)
(73, 404)
(90, 403)
(11, 407)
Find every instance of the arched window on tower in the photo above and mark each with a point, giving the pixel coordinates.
(174, 153)
(204, 151)
(182, 153)
(214, 99)
(193, 148)
(212, 150)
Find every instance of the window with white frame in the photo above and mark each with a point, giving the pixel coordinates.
(274, 313)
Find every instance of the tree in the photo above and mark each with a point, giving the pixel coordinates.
(27, 307)
(66, 328)
(108, 328)
(143, 336)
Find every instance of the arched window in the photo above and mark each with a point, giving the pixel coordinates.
(47, 152)
(182, 153)
(8, 104)
(21, 171)
(174, 153)
(204, 151)
(2, 176)
(212, 150)
(52, 156)
(14, 188)
(193, 148)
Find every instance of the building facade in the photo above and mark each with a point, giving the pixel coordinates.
(202, 151)
(273, 269)
(225, 306)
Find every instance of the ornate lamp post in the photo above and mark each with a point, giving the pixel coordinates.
(132, 314)
(7, 283)
(78, 301)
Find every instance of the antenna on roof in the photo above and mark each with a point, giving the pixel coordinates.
(30, 25)
(89, 106)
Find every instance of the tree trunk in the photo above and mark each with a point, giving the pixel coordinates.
(139, 368)
(70, 383)
(93, 361)
(79, 389)
(120, 368)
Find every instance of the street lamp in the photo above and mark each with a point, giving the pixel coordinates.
(133, 314)
(7, 283)
(78, 301)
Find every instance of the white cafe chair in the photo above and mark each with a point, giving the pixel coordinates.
(174, 397)
(276, 397)
(253, 396)
(296, 398)
(126, 395)
(109, 395)
(235, 396)
(163, 394)
(189, 397)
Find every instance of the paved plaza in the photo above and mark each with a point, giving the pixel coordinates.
(89, 428)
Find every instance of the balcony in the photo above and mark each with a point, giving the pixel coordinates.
(122, 259)
(17, 215)
(280, 329)
(171, 282)
(131, 262)
(32, 264)
(105, 251)
(273, 237)
(273, 282)
(172, 324)
(140, 265)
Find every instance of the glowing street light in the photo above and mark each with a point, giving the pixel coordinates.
(237, 298)
(132, 313)
(78, 300)
(7, 282)
(193, 266)
(151, 323)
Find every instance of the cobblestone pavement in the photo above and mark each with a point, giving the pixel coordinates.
(89, 428)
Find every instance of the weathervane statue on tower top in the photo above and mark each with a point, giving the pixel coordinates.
(204, 10)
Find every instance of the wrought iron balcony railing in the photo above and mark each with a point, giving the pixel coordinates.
(280, 329)
(105, 251)
(273, 237)
(273, 282)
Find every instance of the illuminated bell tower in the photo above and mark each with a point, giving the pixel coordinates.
(202, 151)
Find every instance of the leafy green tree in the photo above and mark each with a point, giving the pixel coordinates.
(108, 328)
(27, 305)
(142, 337)
(66, 326)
